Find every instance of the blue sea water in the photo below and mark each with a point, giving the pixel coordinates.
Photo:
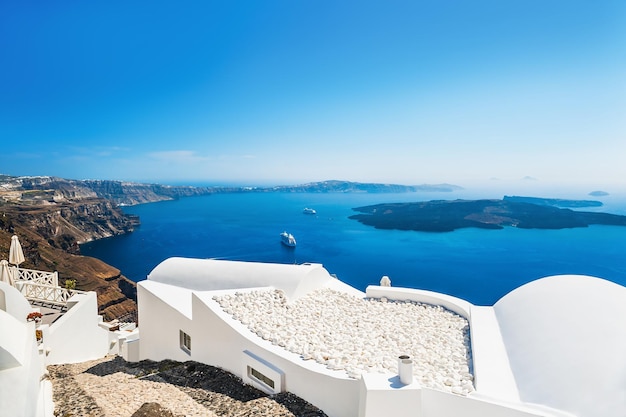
(475, 264)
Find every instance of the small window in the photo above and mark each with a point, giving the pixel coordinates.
(185, 342)
(253, 373)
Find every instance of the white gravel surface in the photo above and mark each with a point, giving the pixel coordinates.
(359, 335)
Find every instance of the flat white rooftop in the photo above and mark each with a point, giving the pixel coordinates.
(358, 335)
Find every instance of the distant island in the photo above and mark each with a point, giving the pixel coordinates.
(335, 186)
(556, 202)
(598, 193)
(446, 215)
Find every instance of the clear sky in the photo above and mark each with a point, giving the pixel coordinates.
(283, 92)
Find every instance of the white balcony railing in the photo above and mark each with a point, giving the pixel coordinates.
(38, 277)
(45, 293)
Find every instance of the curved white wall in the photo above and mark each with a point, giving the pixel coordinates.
(221, 341)
(213, 274)
(566, 341)
(14, 302)
(457, 305)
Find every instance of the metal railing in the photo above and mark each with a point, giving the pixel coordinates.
(45, 293)
(130, 317)
(39, 277)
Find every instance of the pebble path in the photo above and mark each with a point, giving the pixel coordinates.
(112, 387)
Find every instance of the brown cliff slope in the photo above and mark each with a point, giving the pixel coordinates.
(50, 235)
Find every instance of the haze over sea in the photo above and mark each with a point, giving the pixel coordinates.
(475, 264)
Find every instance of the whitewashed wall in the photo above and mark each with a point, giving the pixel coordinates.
(15, 303)
(20, 368)
(76, 336)
(439, 404)
(220, 341)
(160, 322)
(529, 318)
(20, 364)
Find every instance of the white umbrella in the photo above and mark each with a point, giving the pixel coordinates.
(16, 255)
(5, 273)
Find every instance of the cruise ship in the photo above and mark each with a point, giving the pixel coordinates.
(287, 239)
(308, 210)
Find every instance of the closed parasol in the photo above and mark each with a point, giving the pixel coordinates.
(5, 272)
(16, 255)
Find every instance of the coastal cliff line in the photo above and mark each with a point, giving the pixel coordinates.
(43, 189)
(53, 216)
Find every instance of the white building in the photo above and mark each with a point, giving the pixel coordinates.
(76, 335)
(553, 347)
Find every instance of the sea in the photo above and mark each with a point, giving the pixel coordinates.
(477, 265)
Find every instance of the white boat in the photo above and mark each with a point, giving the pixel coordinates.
(287, 239)
(309, 211)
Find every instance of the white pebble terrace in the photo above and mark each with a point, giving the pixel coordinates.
(361, 335)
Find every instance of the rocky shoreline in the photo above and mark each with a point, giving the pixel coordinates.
(112, 387)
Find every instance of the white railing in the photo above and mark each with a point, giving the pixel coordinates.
(38, 277)
(45, 293)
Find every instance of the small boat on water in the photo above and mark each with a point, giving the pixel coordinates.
(287, 239)
(309, 211)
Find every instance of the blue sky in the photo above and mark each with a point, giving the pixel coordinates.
(275, 92)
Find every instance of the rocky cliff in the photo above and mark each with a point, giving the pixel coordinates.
(50, 190)
(130, 193)
(50, 234)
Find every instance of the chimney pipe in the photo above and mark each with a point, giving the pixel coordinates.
(405, 369)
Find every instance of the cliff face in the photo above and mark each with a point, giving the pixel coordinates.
(129, 193)
(50, 234)
(68, 223)
(50, 190)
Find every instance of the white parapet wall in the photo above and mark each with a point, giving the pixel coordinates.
(76, 336)
(129, 347)
(21, 367)
(442, 404)
(496, 391)
(457, 305)
(386, 395)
